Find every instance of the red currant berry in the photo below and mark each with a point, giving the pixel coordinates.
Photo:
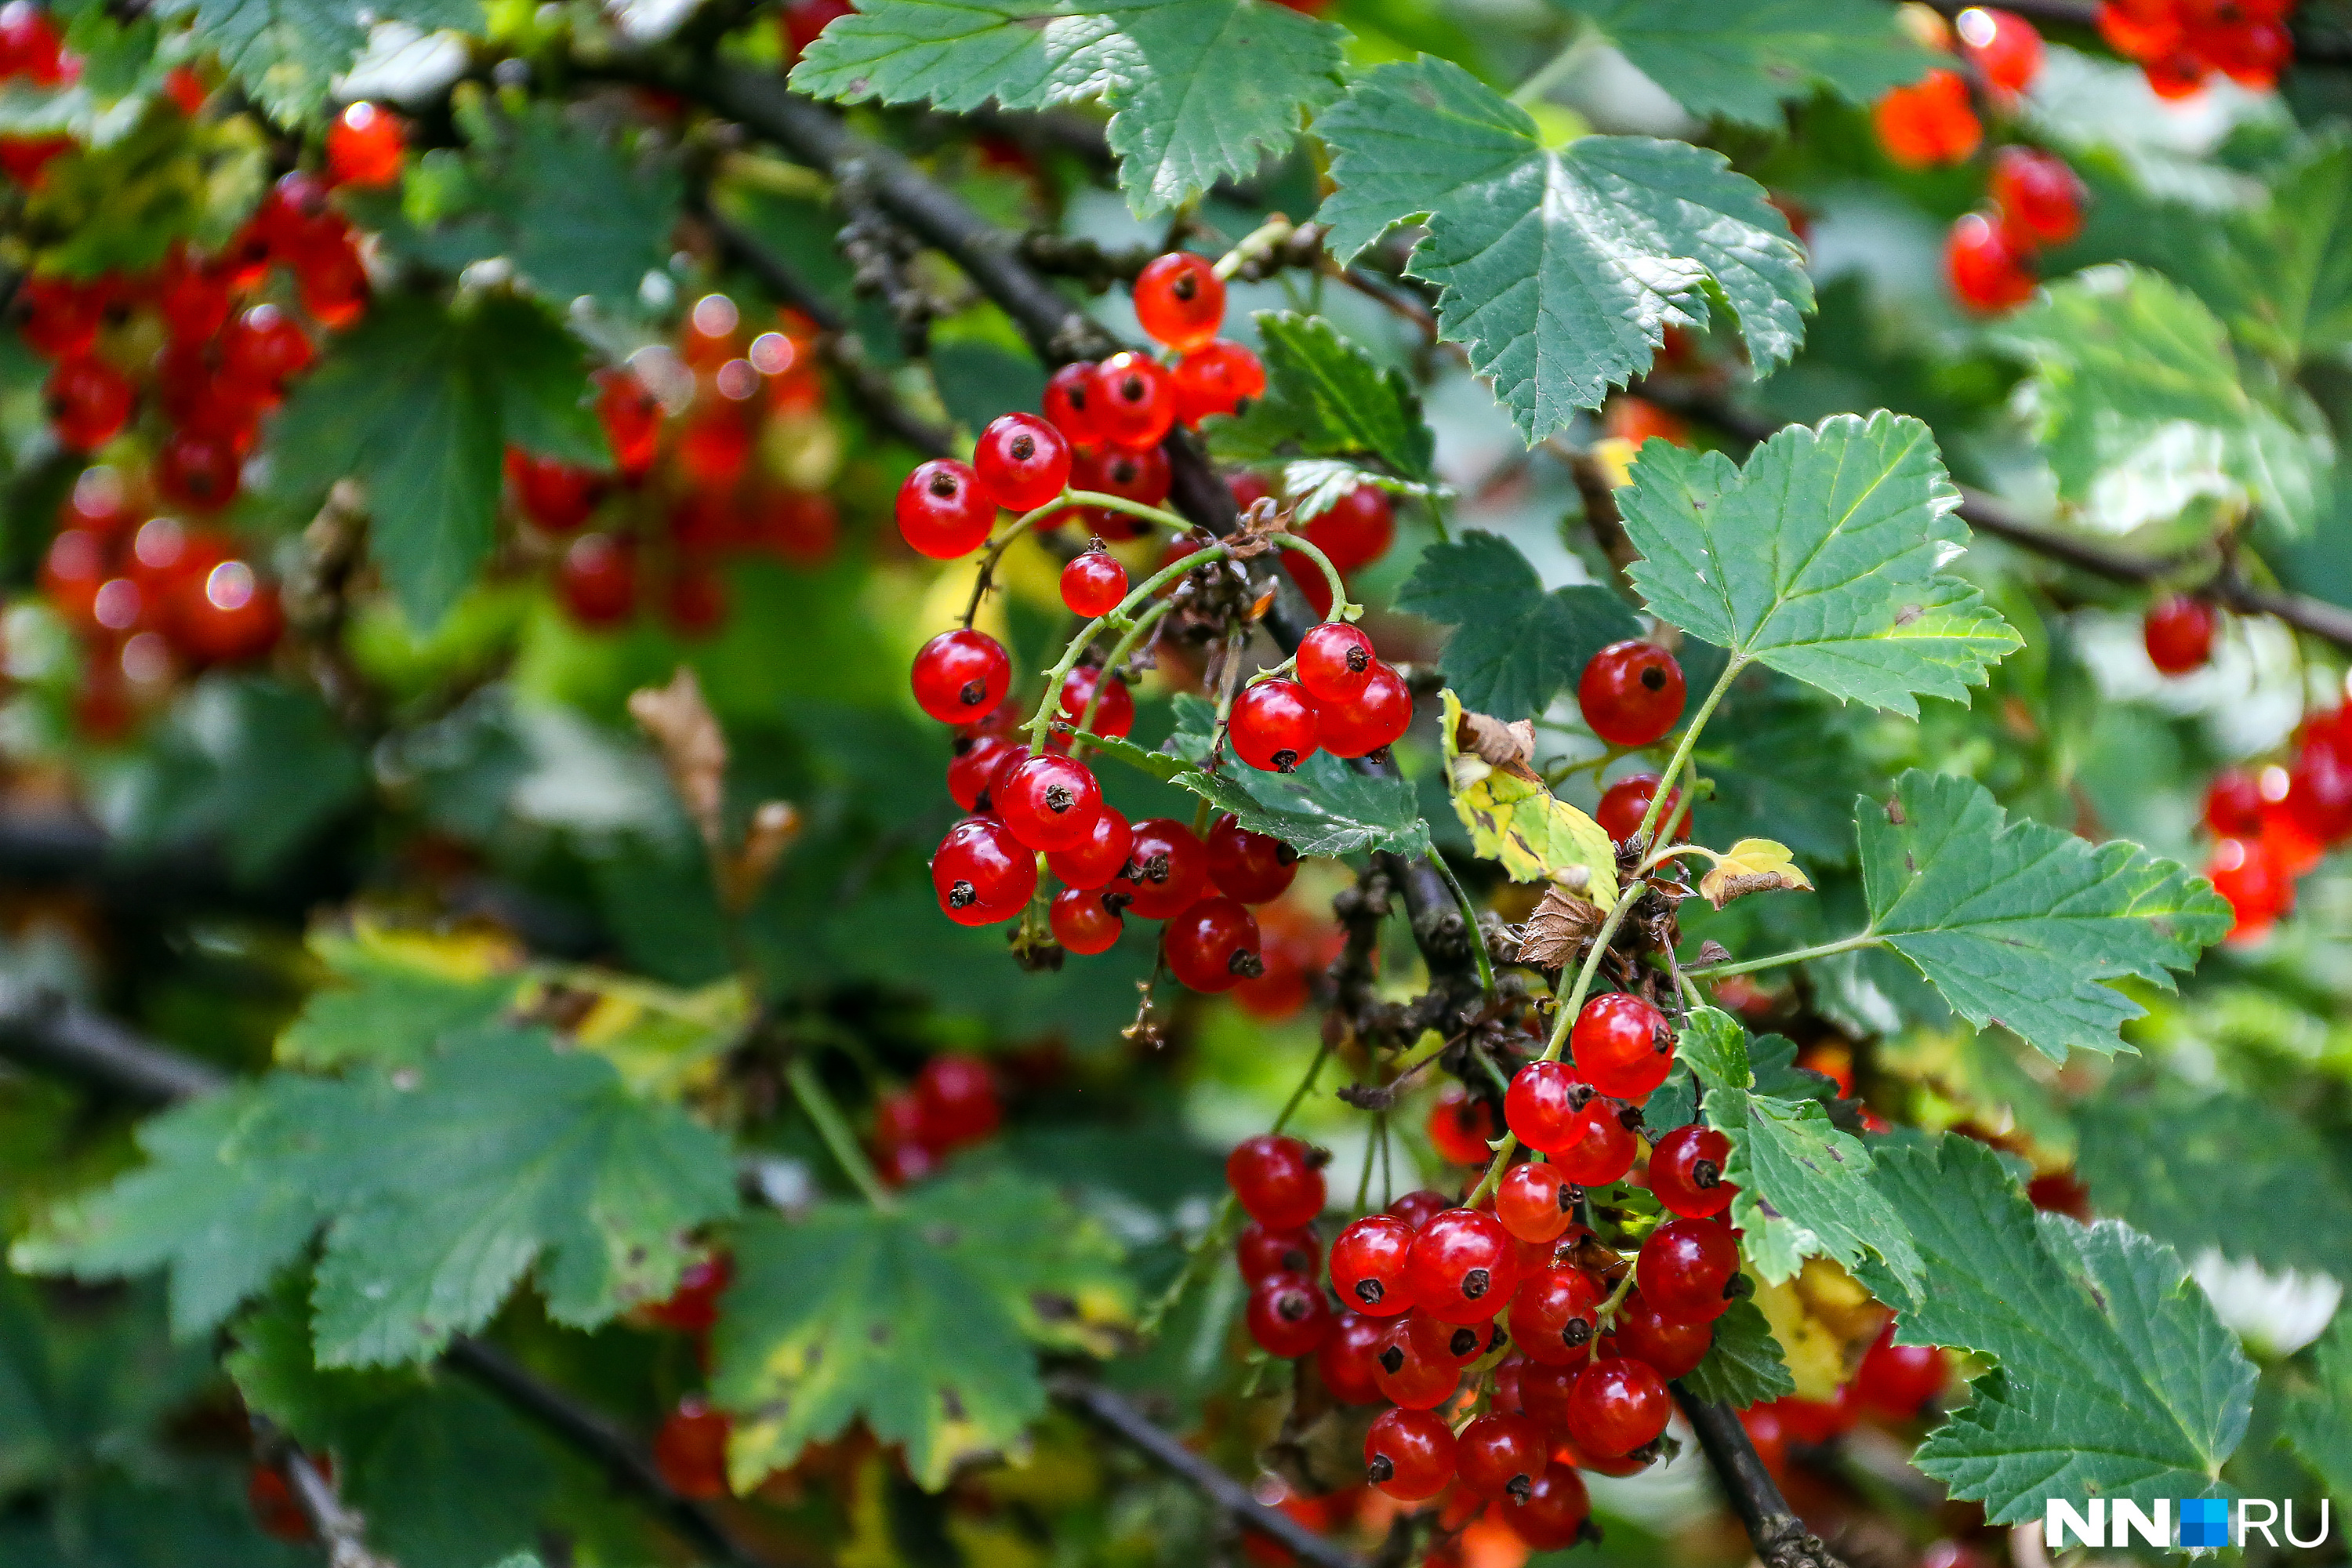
(1457, 1344)
(1555, 1511)
(1368, 1264)
(2233, 804)
(1357, 531)
(1213, 945)
(1672, 1346)
(1166, 871)
(1631, 693)
(1409, 1455)
(61, 317)
(1114, 715)
(1462, 1267)
(1987, 270)
(275, 1508)
(1216, 378)
(365, 145)
(1021, 461)
(265, 347)
(690, 1449)
(1687, 1172)
(693, 1307)
(959, 675)
(1134, 402)
(632, 416)
(199, 472)
(1335, 664)
(1534, 1203)
(1278, 1180)
(2002, 45)
(955, 1100)
(295, 218)
(1686, 1267)
(1900, 1381)
(1260, 1252)
(1255, 868)
(1928, 123)
(1066, 392)
(1599, 1146)
(1142, 476)
(1544, 1390)
(1617, 1405)
(2318, 800)
(1411, 1373)
(1084, 922)
(1378, 718)
(803, 21)
(1289, 1317)
(1626, 802)
(977, 761)
(598, 580)
(1179, 299)
(2179, 632)
(2040, 199)
(1554, 1315)
(1346, 1362)
(1050, 801)
(981, 873)
(1541, 1104)
(1093, 583)
(1501, 1455)
(1093, 862)
(1623, 1046)
(89, 402)
(943, 511)
(192, 298)
(1459, 1127)
(224, 616)
(552, 493)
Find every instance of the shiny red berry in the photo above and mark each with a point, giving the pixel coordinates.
(1050, 801)
(1501, 1455)
(690, 1449)
(1534, 1202)
(365, 145)
(1215, 378)
(1687, 1172)
(632, 416)
(1277, 1180)
(1541, 1102)
(1617, 1405)
(959, 675)
(1412, 1372)
(982, 874)
(1335, 663)
(693, 1307)
(1631, 693)
(1287, 1316)
(1672, 1346)
(1623, 1046)
(224, 616)
(1259, 1252)
(1082, 922)
(193, 297)
(2233, 804)
(1685, 1269)
(1093, 582)
(200, 472)
(61, 317)
(1142, 476)
(88, 402)
(1166, 871)
(1555, 1511)
(942, 510)
(1900, 1381)
(552, 493)
(1368, 1264)
(1114, 715)
(1554, 1313)
(2039, 198)
(1179, 299)
(2002, 44)
(1462, 1267)
(955, 1100)
(1599, 1146)
(1255, 868)
(1066, 393)
(1021, 461)
(1272, 726)
(2179, 632)
(1378, 718)
(1214, 946)
(1459, 1127)
(1409, 1455)
(1624, 803)
(1092, 862)
(1345, 1361)
(265, 347)
(1134, 402)
(1357, 531)
(1986, 268)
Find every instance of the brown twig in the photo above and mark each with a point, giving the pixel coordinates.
(1781, 1538)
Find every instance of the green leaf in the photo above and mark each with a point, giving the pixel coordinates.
(2201, 1165)
(1327, 397)
(419, 402)
(1744, 1365)
(2023, 925)
(1560, 269)
(921, 1319)
(1821, 558)
(284, 52)
(381, 1008)
(2115, 1379)
(2138, 401)
(1515, 647)
(440, 1185)
(1742, 60)
(1326, 807)
(2318, 1416)
(2289, 264)
(1805, 1185)
(1201, 91)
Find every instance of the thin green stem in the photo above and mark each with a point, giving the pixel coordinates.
(1826, 950)
(833, 1128)
(1607, 1312)
(1371, 1152)
(1688, 743)
(1341, 608)
(1478, 938)
(1556, 69)
(1119, 652)
(1118, 615)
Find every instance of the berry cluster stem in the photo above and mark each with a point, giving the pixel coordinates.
(1775, 960)
(1135, 634)
(833, 1128)
(1118, 615)
(1470, 921)
(1689, 742)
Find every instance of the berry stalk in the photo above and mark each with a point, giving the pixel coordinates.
(833, 1128)
(1689, 742)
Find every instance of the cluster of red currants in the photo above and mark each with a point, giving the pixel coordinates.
(739, 472)
(32, 51)
(1990, 256)
(951, 1105)
(2272, 824)
(1933, 121)
(2180, 43)
(1341, 698)
(1895, 1383)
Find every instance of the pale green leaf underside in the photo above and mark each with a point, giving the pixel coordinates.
(1741, 59)
(1821, 558)
(1558, 269)
(2114, 1378)
(1200, 90)
(2023, 925)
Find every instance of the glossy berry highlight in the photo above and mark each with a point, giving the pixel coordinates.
(1179, 300)
(1631, 693)
(959, 676)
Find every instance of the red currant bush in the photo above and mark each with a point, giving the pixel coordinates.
(1357, 531)
(1626, 802)
(1631, 693)
(1556, 1512)
(1598, 1146)
(2002, 44)
(1414, 1373)
(2039, 196)
(955, 1102)
(364, 144)
(1990, 272)
(1066, 392)
(961, 675)
(1671, 1345)
(1114, 714)
(1215, 378)
(1900, 1382)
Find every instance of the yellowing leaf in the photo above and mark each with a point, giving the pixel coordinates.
(1824, 1320)
(1752, 866)
(1511, 815)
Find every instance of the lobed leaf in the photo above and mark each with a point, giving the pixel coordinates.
(1513, 648)
(2317, 1425)
(1325, 395)
(1744, 1365)
(285, 53)
(1742, 60)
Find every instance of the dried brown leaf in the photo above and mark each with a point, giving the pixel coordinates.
(1558, 929)
(692, 747)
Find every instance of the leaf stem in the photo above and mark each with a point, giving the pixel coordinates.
(833, 1128)
(1748, 966)
(1118, 655)
(1478, 938)
(1689, 742)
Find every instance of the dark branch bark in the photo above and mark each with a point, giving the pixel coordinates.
(1115, 1414)
(338, 1527)
(1781, 1538)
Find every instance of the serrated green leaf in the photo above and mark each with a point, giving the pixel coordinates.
(1821, 558)
(2138, 403)
(2201, 1165)
(1805, 1185)
(2115, 1377)
(1743, 1366)
(2022, 924)
(1560, 269)
(284, 53)
(1741, 59)
(1515, 821)
(1513, 648)
(380, 1008)
(922, 1320)
(1200, 90)
(1326, 396)
(2317, 1426)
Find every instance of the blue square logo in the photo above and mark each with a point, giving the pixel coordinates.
(2204, 1523)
